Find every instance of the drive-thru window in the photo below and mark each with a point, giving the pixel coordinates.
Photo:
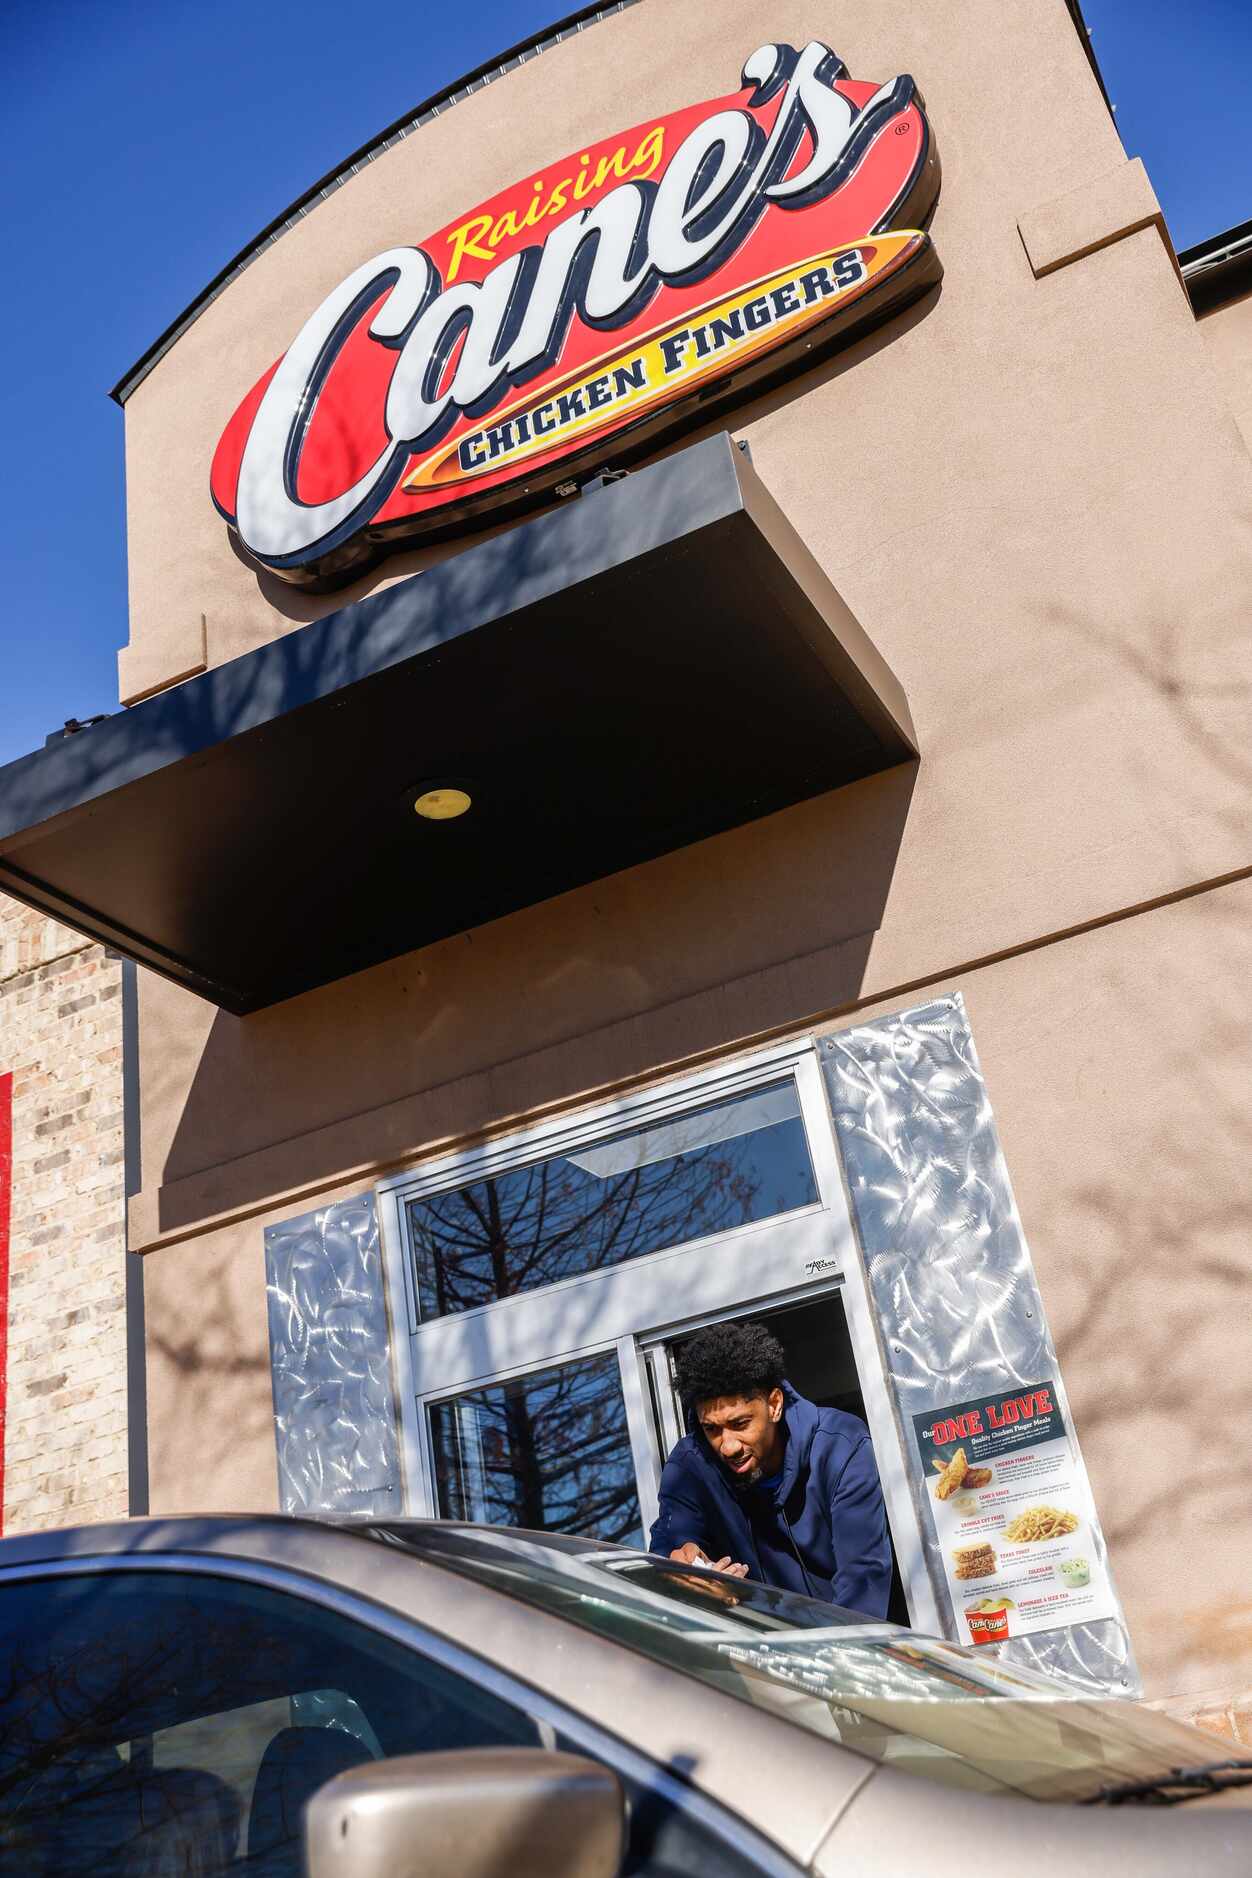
(546, 1284)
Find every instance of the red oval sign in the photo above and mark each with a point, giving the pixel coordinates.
(584, 312)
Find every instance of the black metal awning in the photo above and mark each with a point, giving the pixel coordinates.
(656, 660)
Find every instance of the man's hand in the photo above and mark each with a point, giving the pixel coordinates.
(692, 1554)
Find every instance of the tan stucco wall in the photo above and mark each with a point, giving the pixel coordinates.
(1119, 1065)
(1227, 336)
(1030, 492)
(210, 1401)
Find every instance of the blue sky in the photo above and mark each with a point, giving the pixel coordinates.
(141, 145)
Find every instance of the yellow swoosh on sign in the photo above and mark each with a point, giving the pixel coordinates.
(650, 374)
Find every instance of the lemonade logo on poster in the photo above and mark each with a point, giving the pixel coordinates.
(613, 296)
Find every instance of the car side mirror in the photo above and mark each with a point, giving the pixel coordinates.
(478, 1813)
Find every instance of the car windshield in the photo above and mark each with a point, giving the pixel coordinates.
(921, 1704)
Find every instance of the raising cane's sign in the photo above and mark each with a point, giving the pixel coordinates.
(582, 314)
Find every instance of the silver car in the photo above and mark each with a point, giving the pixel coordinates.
(474, 1702)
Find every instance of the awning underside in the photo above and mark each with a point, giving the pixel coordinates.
(654, 661)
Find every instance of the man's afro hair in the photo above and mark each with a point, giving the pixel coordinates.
(729, 1359)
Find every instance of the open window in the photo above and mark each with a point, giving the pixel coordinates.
(539, 1285)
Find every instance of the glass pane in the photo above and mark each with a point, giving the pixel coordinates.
(708, 1171)
(153, 1725)
(550, 1451)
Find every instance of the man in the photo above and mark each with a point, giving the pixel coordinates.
(767, 1485)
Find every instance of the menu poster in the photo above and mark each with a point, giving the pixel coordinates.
(1013, 1516)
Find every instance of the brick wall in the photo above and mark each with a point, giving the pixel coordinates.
(65, 1455)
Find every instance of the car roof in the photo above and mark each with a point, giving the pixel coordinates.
(181, 1533)
(254, 1535)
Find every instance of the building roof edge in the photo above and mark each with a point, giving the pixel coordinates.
(454, 93)
(1084, 33)
(1218, 270)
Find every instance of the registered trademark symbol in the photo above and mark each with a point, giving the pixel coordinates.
(902, 130)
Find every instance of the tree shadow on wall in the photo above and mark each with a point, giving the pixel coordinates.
(1153, 1243)
(204, 1358)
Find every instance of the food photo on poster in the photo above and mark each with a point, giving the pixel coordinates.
(1012, 1514)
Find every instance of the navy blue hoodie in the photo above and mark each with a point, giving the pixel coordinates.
(821, 1529)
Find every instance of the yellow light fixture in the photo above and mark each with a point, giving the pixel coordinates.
(442, 804)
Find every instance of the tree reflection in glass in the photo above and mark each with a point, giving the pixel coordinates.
(550, 1451)
(156, 1724)
(709, 1171)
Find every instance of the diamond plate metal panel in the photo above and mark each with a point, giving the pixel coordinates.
(950, 1276)
(330, 1356)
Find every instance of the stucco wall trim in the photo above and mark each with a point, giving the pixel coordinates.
(1093, 216)
(143, 670)
(370, 1145)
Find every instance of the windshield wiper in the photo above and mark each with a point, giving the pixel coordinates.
(1180, 1783)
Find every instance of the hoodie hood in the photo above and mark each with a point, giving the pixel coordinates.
(801, 1417)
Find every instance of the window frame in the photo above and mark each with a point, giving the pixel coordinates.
(821, 1235)
(633, 1402)
(565, 1136)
